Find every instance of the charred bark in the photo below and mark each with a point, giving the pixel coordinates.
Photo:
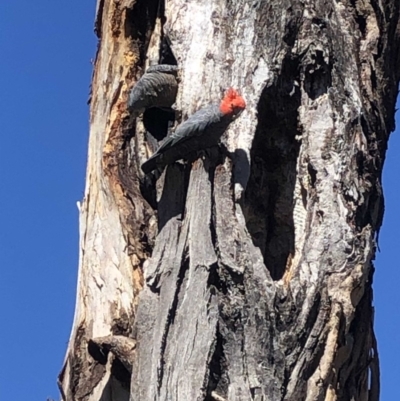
(249, 276)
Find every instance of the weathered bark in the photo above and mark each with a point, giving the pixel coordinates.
(252, 280)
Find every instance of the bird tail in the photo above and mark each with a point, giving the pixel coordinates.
(151, 164)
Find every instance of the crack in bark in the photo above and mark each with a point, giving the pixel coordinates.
(170, 321)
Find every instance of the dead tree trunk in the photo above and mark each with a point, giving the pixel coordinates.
(250, 277)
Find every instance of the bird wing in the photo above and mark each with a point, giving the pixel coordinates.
(154, 89)
(194, 126)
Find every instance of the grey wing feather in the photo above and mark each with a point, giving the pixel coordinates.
(190, 136)
(195, 125)
(154, 89)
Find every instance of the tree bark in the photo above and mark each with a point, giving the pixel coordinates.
(245, 275)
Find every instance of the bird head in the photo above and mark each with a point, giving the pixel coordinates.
(232, 103)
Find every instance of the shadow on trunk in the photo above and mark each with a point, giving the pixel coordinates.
(268, 205)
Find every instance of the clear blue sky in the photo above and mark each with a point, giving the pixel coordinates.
(45, 70)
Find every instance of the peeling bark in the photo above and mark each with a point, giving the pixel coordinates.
(245, 275)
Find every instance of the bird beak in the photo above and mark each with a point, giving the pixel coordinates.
(238, 112)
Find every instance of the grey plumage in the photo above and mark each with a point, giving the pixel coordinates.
(200, 131)
(156, 88)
